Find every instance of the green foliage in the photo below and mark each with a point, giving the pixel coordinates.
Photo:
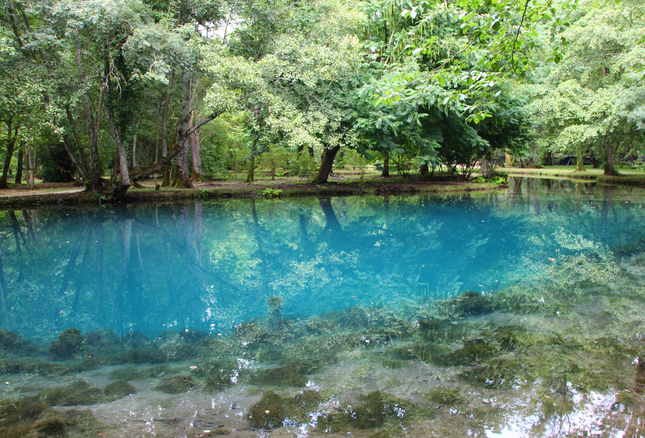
(272, 193)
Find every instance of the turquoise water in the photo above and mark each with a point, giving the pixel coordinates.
(406, 296)
(213, 265)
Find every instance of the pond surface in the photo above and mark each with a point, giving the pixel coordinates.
(513, 313)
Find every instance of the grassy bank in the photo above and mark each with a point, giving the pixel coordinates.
(628, 176)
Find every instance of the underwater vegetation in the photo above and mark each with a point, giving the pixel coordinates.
(36, 416)
(372, 411)
(558, 340)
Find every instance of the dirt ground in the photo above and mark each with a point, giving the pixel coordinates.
(342, 184)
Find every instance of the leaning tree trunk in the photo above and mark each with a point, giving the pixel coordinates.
(327, 161)
(21, 157)
(386, 167)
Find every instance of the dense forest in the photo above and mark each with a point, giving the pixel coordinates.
(110, 92)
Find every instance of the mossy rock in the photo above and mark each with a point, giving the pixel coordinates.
(147, 355)
(100, 339)
(281, 376)
(12, 343)
(14, 411)
(375, 409)
(272, 410)
(509, 337)
(473, 304)
(68, 345)
(192, 336)
(445, 396)
(176, 384)
(79, 393)
(270, 355)
(119, 389)
(268, 413)
(468, 355)
(310, 366)
(51, 427)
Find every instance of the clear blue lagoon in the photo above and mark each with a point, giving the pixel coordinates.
(513, 313)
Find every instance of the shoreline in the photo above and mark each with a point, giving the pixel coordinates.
(264, 189)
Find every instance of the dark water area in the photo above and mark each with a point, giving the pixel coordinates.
(517, 312)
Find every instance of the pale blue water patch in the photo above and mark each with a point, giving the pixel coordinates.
(212, 265)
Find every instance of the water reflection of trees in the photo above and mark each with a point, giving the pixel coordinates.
(211, 265)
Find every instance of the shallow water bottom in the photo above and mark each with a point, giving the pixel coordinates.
(478, 412)
(499, 374)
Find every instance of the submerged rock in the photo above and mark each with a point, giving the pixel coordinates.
(473, 303)
(68, 345)
(119, 389)
(272, 411)
(375, 409)
(12, 343)
(176, 384)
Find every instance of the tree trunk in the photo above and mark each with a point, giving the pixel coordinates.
(611, 155)
(134, 144)
(196, 153)
(164, 132)
(580, 160)
(122, 158)
(184, 172)
(250, 176)
(386, 167)
(95, 176)
(21, 156)
(424, 170)
(31, 167)
(11, 142)
(327, 161)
